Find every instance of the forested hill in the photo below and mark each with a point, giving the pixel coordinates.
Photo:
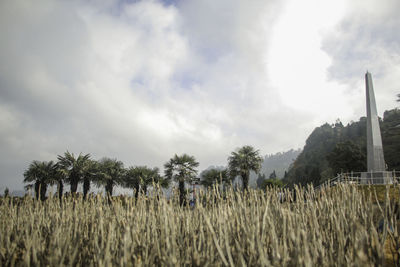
(335, 148)
(279, 162)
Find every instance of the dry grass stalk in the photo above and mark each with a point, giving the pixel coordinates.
(331, 227)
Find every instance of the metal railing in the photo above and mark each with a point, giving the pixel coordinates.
(363, 178)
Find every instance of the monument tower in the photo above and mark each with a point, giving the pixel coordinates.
(376, 172)
(375, 159)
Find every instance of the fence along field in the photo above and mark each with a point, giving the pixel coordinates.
(332, 227)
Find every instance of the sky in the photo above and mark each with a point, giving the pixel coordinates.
(143, 80)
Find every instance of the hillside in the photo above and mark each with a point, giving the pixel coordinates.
(320, 158)
(279, 162)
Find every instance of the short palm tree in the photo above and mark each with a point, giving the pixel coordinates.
(132, 180)
(91, 174)
(110, 173)
(181, 169)
(39, 174)
(58, 178)
(141, 177)
(213, 176)
(243, 161)
(74, 168)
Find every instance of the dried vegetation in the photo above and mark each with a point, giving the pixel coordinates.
(335, 227)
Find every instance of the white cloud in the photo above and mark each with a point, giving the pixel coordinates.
(366, 39)
(297, 65)
(142, 81)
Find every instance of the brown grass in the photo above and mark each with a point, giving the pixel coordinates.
(329, 228)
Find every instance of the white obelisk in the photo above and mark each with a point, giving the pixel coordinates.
(375, 159)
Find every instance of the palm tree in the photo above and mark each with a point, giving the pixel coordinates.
(142, 177)
(110, 173)
(132, 180)
(181, 169)
(73, 168)
(243, 161)
(212, 176)
(39, 174)
(58, 178)
(91, 174)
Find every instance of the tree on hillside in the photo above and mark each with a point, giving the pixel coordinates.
(347, 157)
(110, 173)
(39, 174)
(214, 176)
(73, 168)
(310, 163)
(391, 138)
(243, 161)
(272, 175)
(313, 166)
(181, 169)
(279, 162)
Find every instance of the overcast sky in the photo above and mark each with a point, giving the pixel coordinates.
(142, 80)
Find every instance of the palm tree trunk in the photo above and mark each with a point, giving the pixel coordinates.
(182, 193)
(74, 180)
(43, 189)
(136, 190)
(74, 186)
(109, 187)
(60, 189)
(86, 187)
(37, 188)
(245, 180)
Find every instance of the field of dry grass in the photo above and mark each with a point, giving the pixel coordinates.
(335, 227)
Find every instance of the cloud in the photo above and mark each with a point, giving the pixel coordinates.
(143, 80)
(367, 39)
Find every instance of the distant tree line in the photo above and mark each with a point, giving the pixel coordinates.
(108, 173)
(272, 181)
(278, 163)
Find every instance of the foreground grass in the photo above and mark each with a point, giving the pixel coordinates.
(379, 192)
(328, 228)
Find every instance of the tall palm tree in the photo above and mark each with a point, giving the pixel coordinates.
(110, 173)
(39, 174)
(73, 168)
(141, 177)
(181, 169)
(243, 161)
(212, 176)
